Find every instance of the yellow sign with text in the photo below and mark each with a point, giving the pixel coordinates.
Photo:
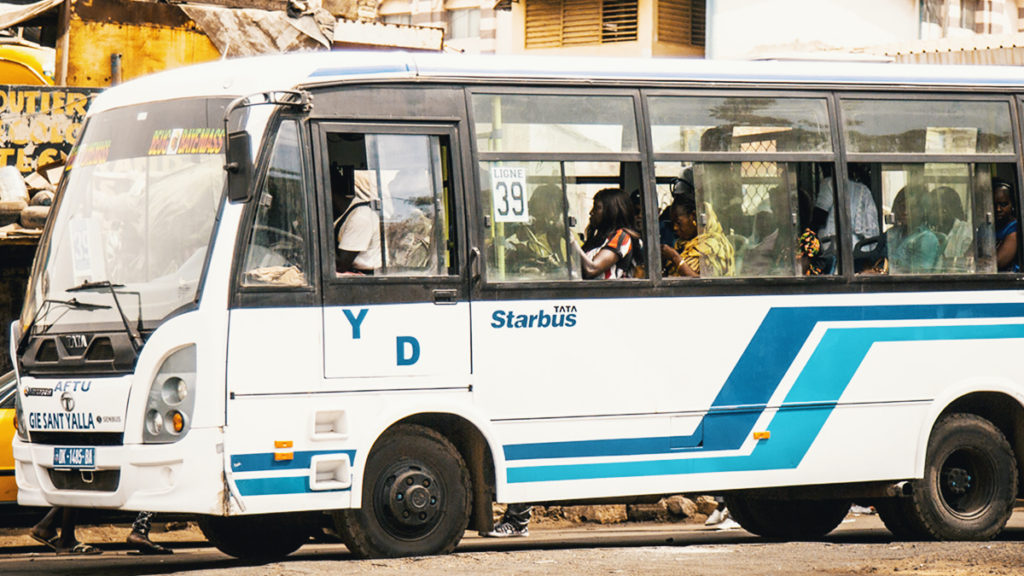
(39, 124)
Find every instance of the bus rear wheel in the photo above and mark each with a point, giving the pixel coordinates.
(970, 481)
(787, 519)
(257, 538)
(416, 497)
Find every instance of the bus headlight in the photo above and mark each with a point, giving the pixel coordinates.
(171, 398)
(20, 424)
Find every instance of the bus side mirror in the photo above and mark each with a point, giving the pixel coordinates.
(239, 166)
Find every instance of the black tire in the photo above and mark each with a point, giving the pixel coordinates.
(416, 497)
(970, 481)
(257, 538)
(787, 519)
(898, 517)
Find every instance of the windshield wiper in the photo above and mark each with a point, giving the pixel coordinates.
(72, 303)
(134, 333)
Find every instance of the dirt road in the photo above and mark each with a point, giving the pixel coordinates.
(861, 546)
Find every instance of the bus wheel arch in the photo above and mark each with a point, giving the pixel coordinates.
(970, 481)
(1004, 411)
(477, 454)
(416, 496)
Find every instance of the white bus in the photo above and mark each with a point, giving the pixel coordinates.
(196, 338)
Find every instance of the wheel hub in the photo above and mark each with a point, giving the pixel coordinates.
(958, 480)
(414, 499)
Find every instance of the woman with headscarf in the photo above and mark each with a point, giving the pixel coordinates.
(708, 253)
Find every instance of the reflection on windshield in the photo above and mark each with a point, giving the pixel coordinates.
(140, 198)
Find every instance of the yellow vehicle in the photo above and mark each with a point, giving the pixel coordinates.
(8, 489)
(25, 63)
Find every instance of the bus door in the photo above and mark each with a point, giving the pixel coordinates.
(396, 310)
(274, 332)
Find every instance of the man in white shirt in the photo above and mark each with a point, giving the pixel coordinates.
(863, 214)
(359, 230)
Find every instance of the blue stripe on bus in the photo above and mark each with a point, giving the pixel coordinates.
(278, 486)
(782, 334)
(756, 376)
(265, 460)
(824, 378)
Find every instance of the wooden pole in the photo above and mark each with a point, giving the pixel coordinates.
(63, 42)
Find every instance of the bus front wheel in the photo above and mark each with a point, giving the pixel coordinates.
(787, 519)
(257, 538)
(416, 497)
(970, 481)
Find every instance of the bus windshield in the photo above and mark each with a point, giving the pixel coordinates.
(140, 196)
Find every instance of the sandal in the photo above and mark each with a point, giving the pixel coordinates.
(79, 549)
(50, 543)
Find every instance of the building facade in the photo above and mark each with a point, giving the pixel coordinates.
(469, 25)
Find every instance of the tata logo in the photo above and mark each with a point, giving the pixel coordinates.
(67, 401)
(75, 342)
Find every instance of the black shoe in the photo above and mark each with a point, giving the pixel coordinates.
(143, 544)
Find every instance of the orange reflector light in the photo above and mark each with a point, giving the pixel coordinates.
(762, 435)
(278, 456)
(282, 443)
(177, 421)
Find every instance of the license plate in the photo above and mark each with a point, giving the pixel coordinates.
(74, 457)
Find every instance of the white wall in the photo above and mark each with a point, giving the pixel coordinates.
(747, 28)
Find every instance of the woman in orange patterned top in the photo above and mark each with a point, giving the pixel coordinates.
(611, 247)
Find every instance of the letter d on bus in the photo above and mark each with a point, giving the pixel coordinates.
(408, 350)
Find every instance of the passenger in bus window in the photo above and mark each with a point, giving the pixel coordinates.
(666, 228)
(640, 258)
(1004, 201)
(610, 245)
(914, 250)
(708, 253)
(358, 230)
(863, 214)
(538, 247)
(952, 228)
(772, 244)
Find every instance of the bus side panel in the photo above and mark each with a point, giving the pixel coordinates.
(819, 390)
(296, 440)
(273, 354)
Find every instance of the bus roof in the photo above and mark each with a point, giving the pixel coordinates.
(238, 77)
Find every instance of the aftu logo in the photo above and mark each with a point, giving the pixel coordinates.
(562, 317)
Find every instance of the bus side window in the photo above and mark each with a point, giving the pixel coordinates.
(751, 193)
(940, 214)
(278, 253)
(391, 198)
(944, 218)
(754, 219)
(536, 205)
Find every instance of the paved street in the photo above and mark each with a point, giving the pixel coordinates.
(860, 546)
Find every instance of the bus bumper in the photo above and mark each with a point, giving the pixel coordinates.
(185, 476)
